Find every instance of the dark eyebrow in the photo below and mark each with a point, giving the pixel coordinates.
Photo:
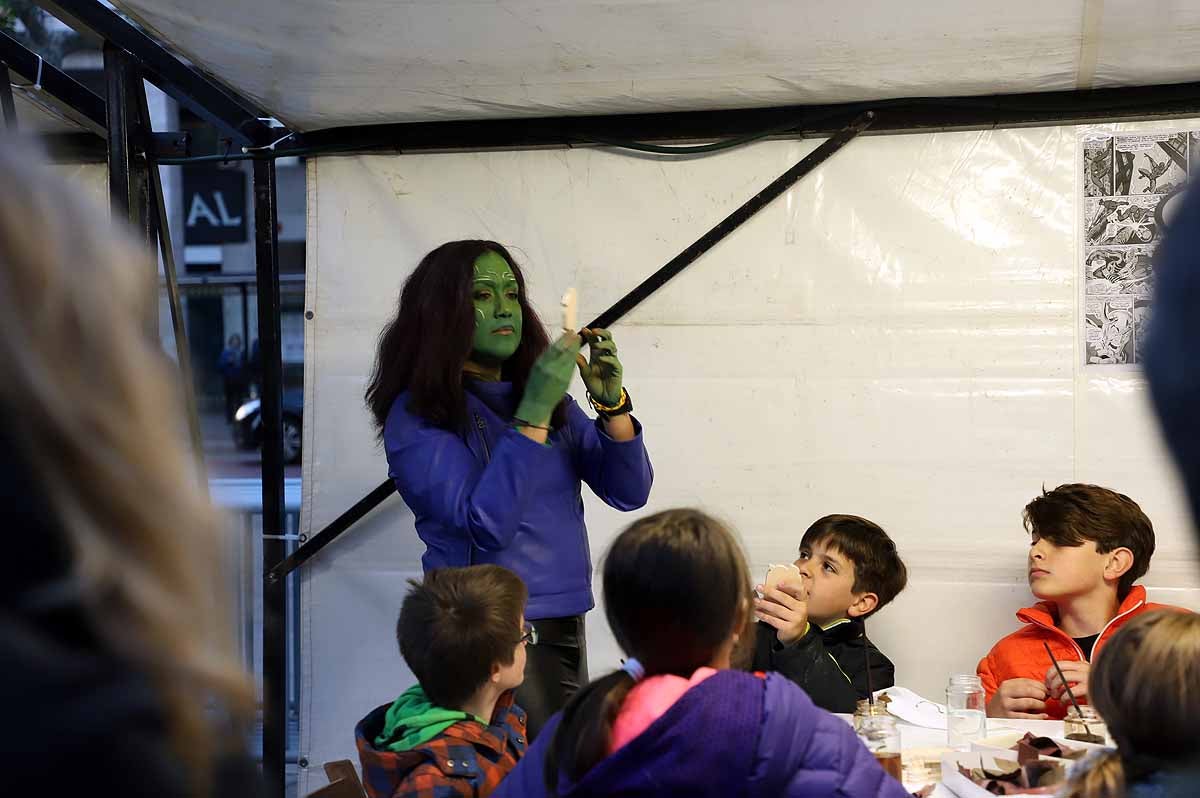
(834, 560)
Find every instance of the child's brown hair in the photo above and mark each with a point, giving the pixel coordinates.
(878, 568)
(1143, 684)
(1074, 513)
(456, 624)
(676, 587)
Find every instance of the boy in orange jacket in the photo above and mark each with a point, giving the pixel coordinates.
(1089, 545)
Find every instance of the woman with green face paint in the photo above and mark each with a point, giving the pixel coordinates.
(470, 399)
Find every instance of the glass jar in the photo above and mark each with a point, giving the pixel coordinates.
(1087, 727)
(864, 709)
(881, 737)
(966, 711)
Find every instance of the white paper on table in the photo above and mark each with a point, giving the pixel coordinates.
(911, 708)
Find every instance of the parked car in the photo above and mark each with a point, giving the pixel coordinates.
(247, 424)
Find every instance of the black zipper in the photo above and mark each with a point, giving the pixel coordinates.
(481, 425)
(481, 430)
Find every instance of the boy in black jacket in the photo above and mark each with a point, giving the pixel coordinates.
(811, 626)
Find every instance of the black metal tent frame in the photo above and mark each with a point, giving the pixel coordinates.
(133, 151)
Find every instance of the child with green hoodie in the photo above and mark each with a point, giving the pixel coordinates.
(457, 732)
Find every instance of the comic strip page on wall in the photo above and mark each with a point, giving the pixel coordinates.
(1126, 176)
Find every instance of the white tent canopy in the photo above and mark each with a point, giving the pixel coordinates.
(319, 64)
(899, 336)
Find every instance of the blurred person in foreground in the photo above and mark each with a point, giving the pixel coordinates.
(115, 673)
(1171, 356)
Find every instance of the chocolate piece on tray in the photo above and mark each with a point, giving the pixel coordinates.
(1086, 738)
(1038, 777)
(1030, 747)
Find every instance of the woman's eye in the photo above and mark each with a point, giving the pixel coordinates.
(513, 295)
(483, 295)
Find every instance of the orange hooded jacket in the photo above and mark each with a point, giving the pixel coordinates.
(1020, 655)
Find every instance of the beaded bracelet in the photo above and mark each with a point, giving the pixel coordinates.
(624, 405)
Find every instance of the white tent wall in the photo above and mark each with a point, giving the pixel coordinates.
(896, 337)
(90, 178)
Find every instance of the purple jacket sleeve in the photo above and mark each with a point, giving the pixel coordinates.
(618, 472)
(805, 752)
(526, 779)
(440, 478)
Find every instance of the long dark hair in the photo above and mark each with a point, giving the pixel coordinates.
(675, 586)
(424, 347)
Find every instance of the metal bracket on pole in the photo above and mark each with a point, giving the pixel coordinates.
(327, 535)
(610, 316)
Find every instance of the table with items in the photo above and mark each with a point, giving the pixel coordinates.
(1009, 756)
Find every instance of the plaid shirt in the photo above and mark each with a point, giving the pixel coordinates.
(468, 760)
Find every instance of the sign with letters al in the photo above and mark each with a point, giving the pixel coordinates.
(214, 206)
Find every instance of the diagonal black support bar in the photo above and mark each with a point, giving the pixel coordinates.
(331, 532)
(627, 303)
(733, 221)
(161, 223)
(61, 91)
(235, 116)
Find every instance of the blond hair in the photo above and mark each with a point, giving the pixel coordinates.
(99, 428)
(1145, 683)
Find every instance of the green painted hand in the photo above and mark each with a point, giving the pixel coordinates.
(548, 380)
(602, 373)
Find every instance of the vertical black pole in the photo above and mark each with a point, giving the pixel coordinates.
(128, 181)
(270, 347)
(245, 325)
(128, 172)
(6, 99)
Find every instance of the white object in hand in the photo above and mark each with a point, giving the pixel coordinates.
(777, 574)
(569, 304)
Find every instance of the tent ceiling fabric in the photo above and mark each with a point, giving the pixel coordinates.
(318, 64)
(40, 117)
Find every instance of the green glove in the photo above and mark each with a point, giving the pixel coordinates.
(548, 381)
(602, 374)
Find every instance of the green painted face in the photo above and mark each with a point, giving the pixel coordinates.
(496, 296)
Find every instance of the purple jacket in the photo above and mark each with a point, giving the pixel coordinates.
(734, 734)
(491, 495)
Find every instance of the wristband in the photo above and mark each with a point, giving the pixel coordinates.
(623, 406)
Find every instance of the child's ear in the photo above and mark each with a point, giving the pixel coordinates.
(1118, 563)
(496, 673)
(863, 604)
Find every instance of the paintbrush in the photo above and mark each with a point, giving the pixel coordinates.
(867, 658)
(1067, 687)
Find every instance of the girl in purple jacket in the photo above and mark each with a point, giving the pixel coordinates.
(677, 719)
(469, 397)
